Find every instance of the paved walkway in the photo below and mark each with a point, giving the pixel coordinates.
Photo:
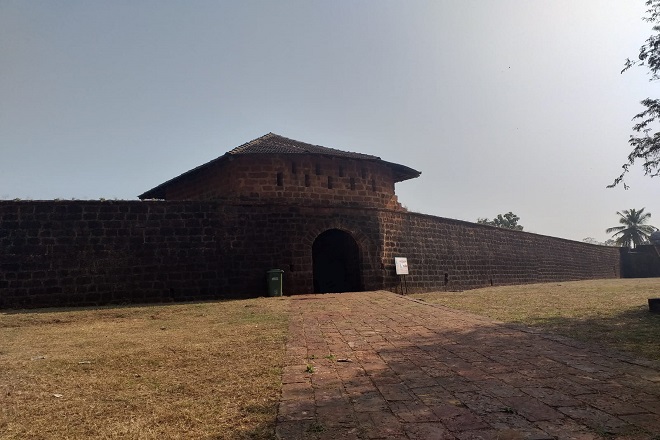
(375, 365)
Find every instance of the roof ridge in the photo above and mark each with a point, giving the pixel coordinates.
(240, 148)
(278, 144)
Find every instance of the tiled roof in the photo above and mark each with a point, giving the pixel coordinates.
(273, 143)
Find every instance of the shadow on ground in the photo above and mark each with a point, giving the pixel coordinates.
(380, 366)
(634, 330)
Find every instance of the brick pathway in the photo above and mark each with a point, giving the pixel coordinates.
(375, 365)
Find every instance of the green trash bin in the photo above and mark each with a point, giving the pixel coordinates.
(274, 278)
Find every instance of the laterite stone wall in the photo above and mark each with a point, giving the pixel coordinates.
(88, 253)
(299, 179)
(445, 254)
(641, 262)
(75, 253)
(256, 238)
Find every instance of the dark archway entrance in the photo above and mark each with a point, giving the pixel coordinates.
(336, 260)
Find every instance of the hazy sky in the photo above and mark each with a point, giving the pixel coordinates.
(503, 105)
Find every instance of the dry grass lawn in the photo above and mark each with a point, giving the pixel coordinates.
(613, 313)
(202, 371)
(212, 370)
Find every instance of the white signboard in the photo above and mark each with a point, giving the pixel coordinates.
(401, 264)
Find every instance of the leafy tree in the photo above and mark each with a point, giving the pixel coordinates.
(633, 231)
(508, 220)
(646, 143)
(608, 242)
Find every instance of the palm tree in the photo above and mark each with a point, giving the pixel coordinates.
(633, 232)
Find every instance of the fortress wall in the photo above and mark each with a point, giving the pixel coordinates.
(271, 236)
(641, 262)
(88, 253)
(445, 254)
(75, 253)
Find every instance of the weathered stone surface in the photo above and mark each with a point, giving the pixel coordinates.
(74, 253)
(517, 404)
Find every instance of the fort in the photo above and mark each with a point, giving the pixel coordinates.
(330, 219)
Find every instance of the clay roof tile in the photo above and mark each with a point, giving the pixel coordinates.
(272, 143)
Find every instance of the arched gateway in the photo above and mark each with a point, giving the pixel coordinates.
(336, 260)
(266, 185)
